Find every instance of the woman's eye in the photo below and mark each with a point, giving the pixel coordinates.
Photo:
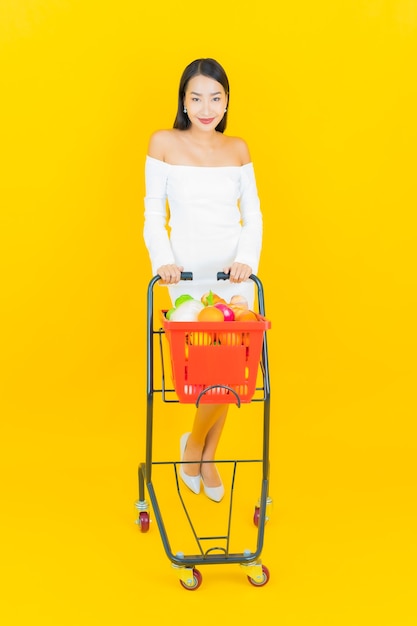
(216, 99)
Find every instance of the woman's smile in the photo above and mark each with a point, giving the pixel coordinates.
(206, 120)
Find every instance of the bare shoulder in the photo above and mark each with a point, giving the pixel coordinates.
(160, 143)
(240, 149)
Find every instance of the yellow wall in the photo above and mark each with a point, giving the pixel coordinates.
(325, 94)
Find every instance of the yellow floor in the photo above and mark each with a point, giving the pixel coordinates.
(340, 544)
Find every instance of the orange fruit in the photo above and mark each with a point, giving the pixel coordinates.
(230, 339)
(210, 314)
(244, 315)
(249, 316)
(210, 298)
(200, 339)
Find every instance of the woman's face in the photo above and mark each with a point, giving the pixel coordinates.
(205, 101)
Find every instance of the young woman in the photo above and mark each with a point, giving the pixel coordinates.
(215, 224)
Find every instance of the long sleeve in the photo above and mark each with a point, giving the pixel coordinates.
(250, 240)
(155, 231)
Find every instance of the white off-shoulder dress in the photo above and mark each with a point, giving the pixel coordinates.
(204, 219)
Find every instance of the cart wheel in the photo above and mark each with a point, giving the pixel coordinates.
(265, 578)
(144, 521)
(196, 582)
(256, 516)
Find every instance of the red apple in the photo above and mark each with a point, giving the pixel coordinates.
(228, 313)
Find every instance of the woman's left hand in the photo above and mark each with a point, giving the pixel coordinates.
(238, 272)
(170, 274)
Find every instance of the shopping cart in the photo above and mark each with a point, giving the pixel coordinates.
(217, 363)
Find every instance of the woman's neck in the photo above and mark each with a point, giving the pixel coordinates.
(203, 139)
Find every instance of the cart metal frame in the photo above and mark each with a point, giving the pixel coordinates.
(185, 565)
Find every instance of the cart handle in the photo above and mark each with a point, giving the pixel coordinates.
(220, 276)
(224, 276)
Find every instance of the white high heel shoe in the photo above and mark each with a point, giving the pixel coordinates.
(192, 482)
(214, 493)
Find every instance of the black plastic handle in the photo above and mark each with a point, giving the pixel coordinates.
(224, 276)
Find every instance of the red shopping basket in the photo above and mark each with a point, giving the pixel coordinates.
(217, 357)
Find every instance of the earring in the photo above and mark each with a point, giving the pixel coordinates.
(185, 109)
(225, 110)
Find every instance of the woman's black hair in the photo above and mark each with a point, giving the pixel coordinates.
(200, 67)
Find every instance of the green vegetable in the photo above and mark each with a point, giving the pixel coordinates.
(187, 311)
(169, 313)
(183, 298)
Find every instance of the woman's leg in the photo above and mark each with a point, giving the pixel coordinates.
(203, 440)
(209, 471)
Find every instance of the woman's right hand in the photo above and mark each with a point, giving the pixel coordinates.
(170, 274)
